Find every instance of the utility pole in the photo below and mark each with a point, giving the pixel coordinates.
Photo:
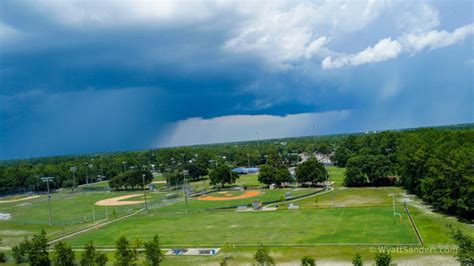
(47, 179)
(144, 191)
(248, 160)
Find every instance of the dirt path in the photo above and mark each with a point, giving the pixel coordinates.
(21, 199)
(248, 194)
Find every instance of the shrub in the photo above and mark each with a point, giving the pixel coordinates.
(308, 261)
(357, 261)
(383, 258)
(262, 257)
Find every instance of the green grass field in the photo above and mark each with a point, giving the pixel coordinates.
(70, 211)
(250, 180)
(296, 227)
(332, 226)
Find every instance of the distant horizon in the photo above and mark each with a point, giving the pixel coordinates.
(236, 141)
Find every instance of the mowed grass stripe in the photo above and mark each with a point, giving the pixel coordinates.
(277, 227)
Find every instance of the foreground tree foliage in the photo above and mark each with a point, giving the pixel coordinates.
(124, 255)
(34, 251)
(90, 257)
(63, 255)
(153, 253)
(308, 261)
(262, 257)
(465, 243)
(357, 260)
(383, 258)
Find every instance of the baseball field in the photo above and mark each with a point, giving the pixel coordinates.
(332, 223)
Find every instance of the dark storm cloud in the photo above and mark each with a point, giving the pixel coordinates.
(88, 76)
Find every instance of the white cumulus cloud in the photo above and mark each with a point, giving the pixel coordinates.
(385, 49)
(438, 39)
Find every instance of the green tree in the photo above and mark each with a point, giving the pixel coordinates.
(63, 255)
(124, 255)
(355, 176)
(357, 260)
(383, 258)
(262, 257)
(222, 175)
(341, 156)
(101, 259)
(89, 254)
(196, 170)
(267, 174)
(21, 250)
(282, 175)
(308, 261)
(465, 243)
(131, 179)
(311, 172)
(38, 252)
(153, 252)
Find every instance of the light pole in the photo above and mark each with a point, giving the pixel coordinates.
(89, 166)
(144, 191)
(248, 160)
(47, 179)
(73, 170)
(185, 189)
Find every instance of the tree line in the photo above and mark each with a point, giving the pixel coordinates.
(72, 171)
(436, 164)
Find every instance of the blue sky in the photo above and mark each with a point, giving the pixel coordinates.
(93, 76)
